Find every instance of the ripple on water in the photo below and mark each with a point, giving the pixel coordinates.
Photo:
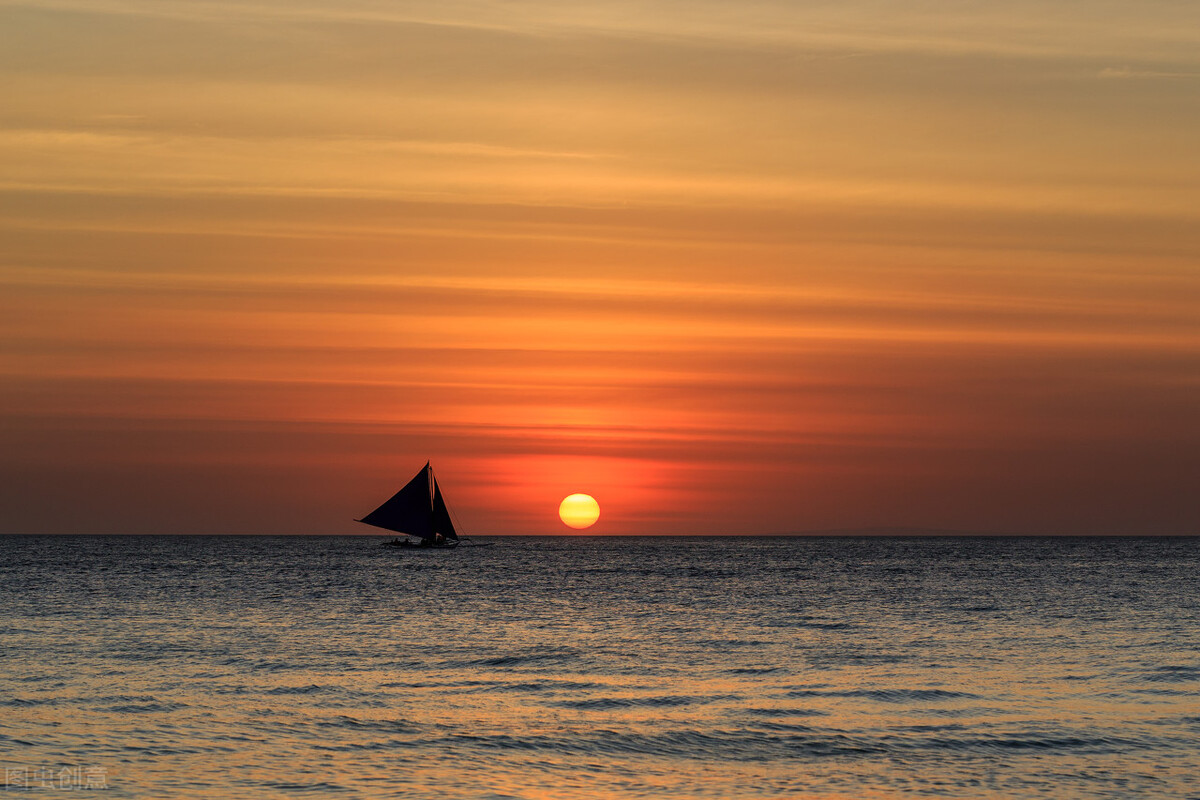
(312, 688)
(664, 701)
(542, 687)
(712, 745)
(31, 702)
(754, 670)
(315, 787)
(143, 708)
(1173, 673)
(388, 726)
(551, 656)
(783, 711)
(887, 695)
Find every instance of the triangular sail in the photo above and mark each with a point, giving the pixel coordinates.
(410, 510)
(441, 515)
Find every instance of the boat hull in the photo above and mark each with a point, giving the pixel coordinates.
(421, 545)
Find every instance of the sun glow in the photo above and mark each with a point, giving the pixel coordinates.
(579, 510)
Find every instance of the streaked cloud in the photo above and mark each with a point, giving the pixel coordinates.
(1128, 72)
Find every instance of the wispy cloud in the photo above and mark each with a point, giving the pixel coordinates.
(1128, 72)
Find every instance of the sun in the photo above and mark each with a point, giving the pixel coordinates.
(579, 510)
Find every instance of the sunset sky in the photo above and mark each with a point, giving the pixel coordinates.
(754, 267)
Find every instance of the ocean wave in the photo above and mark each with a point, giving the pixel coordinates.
(389, 726)
(784, 741)
(143, 708)
(551, 657)
(321, 787)
(887, 695)
(1034, 742)
(290, 690)
(775, 711)
(537, 687)
(741, 745)
(262, 664)
(30, 702)
(664, 701)
(1173, 673)
(823, 626)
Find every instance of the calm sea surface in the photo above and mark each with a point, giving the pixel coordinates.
(235, 667)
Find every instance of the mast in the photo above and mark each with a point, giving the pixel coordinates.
(441, 513)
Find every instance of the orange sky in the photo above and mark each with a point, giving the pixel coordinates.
(761, 267)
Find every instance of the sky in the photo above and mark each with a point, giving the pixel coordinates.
(756, 267)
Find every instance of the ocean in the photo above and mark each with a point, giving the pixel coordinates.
(591, 667)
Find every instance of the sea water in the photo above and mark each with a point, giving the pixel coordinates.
(240, 667)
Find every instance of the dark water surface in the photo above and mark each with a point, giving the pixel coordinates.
(591, 667)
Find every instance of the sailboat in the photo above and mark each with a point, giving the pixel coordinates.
(418, 510)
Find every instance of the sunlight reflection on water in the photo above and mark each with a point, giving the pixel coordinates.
(589, 667)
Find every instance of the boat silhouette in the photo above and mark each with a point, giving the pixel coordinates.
(419, 512)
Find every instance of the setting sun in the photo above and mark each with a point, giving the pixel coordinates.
(579, 511)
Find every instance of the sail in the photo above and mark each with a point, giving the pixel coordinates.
(441, 515)
(409, 510)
